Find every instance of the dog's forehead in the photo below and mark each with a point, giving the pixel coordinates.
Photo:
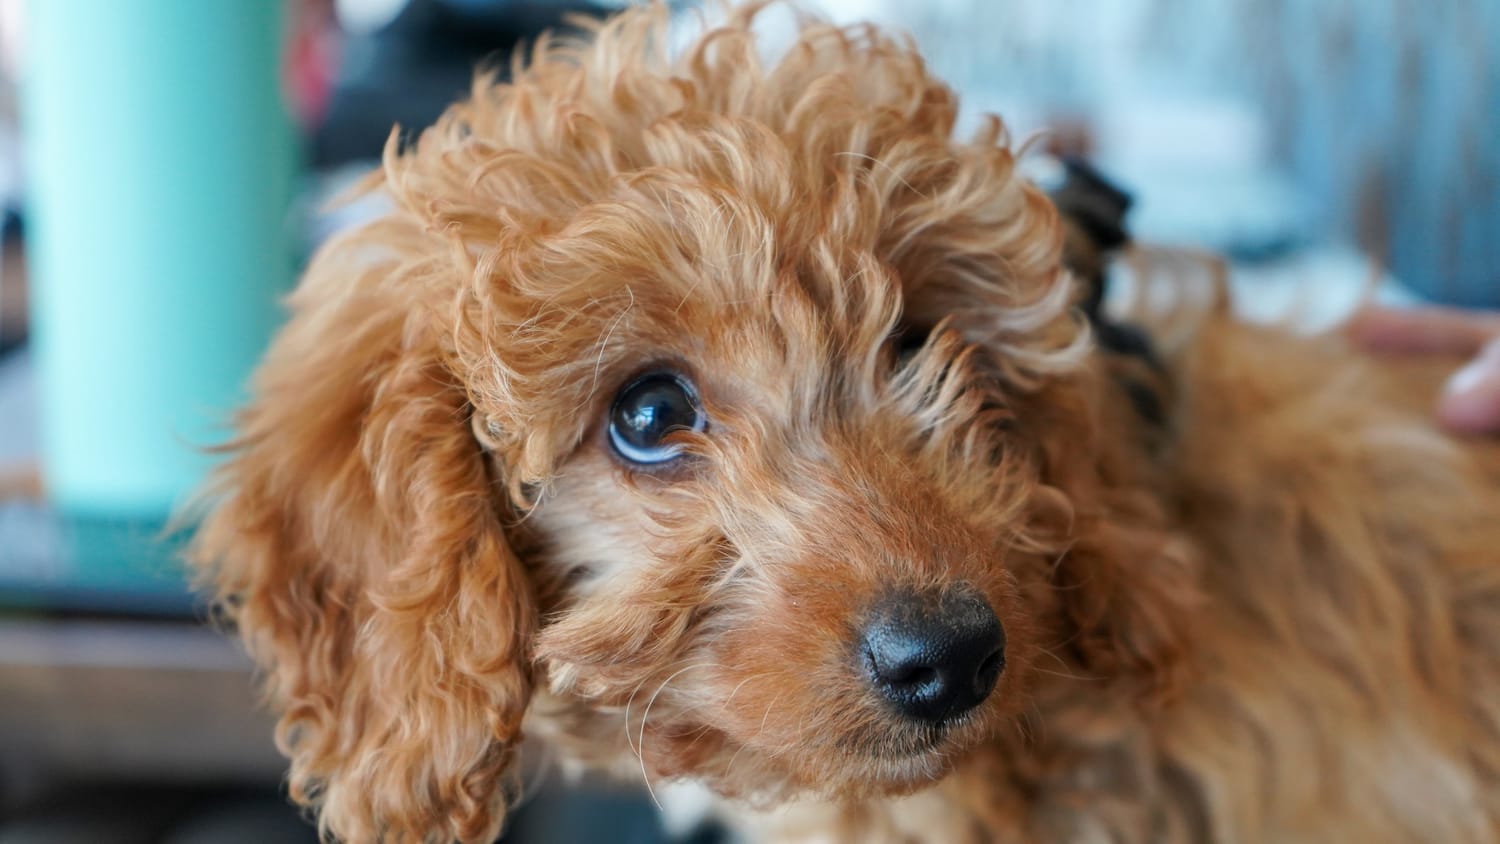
(694, 255)
(766, 224)
(617, 175)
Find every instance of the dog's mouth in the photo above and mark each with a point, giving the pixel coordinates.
(870, 746)
(888, 759)
(907, 743)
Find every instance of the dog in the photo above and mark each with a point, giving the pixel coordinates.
(716, 419)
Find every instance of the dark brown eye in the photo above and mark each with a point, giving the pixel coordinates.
(909, 340)
(647, 410)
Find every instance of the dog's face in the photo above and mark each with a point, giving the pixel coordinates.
(737, 406)
(784, 525)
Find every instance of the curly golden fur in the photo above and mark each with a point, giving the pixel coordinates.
(1276, 620)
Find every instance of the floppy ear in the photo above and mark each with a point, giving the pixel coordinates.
(1123, 586)
(354, 537)
(1129, 595)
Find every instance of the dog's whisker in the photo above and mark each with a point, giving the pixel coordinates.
(646, 717)
(1067, 676)
(741, 685)
(1051, 654)
(628, 701)
(764, 721)
(1036, 721)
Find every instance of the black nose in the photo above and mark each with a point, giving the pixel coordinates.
(934, 657)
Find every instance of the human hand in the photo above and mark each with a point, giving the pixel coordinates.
(1470, 403)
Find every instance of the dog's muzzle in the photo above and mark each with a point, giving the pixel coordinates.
(933, 657)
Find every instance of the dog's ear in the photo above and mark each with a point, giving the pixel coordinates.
(1128, 596)
(354, 536)
(1122, 586)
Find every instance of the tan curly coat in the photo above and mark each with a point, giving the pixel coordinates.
(1278, 619)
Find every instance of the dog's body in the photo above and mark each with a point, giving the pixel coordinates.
(1343, 682)
(680, 406)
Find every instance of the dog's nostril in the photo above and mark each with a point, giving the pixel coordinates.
(903, 674)
(934, 658)
(989, 673)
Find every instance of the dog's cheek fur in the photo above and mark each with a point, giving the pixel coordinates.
(353, 540)
(721, 642)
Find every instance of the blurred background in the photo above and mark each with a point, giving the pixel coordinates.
(162, 167)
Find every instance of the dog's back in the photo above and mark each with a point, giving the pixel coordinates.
(1349, 661)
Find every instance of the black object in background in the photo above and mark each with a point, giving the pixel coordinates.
(407, 72)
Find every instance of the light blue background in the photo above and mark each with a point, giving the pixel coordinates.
(161, 162)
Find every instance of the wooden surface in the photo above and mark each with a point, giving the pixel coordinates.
(105, 673)
(161, 700)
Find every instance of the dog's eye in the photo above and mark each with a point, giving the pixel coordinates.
(909, 341)
(647, 410)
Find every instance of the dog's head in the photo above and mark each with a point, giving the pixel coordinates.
(728, 415)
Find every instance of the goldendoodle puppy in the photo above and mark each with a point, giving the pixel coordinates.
(728, 421)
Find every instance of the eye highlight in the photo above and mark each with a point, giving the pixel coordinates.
(647, 410)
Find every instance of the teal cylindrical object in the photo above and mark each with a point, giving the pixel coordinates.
(160, 161)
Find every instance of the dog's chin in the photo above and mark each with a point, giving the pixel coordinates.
(884, 761)
(909, 757)
(886, 757)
